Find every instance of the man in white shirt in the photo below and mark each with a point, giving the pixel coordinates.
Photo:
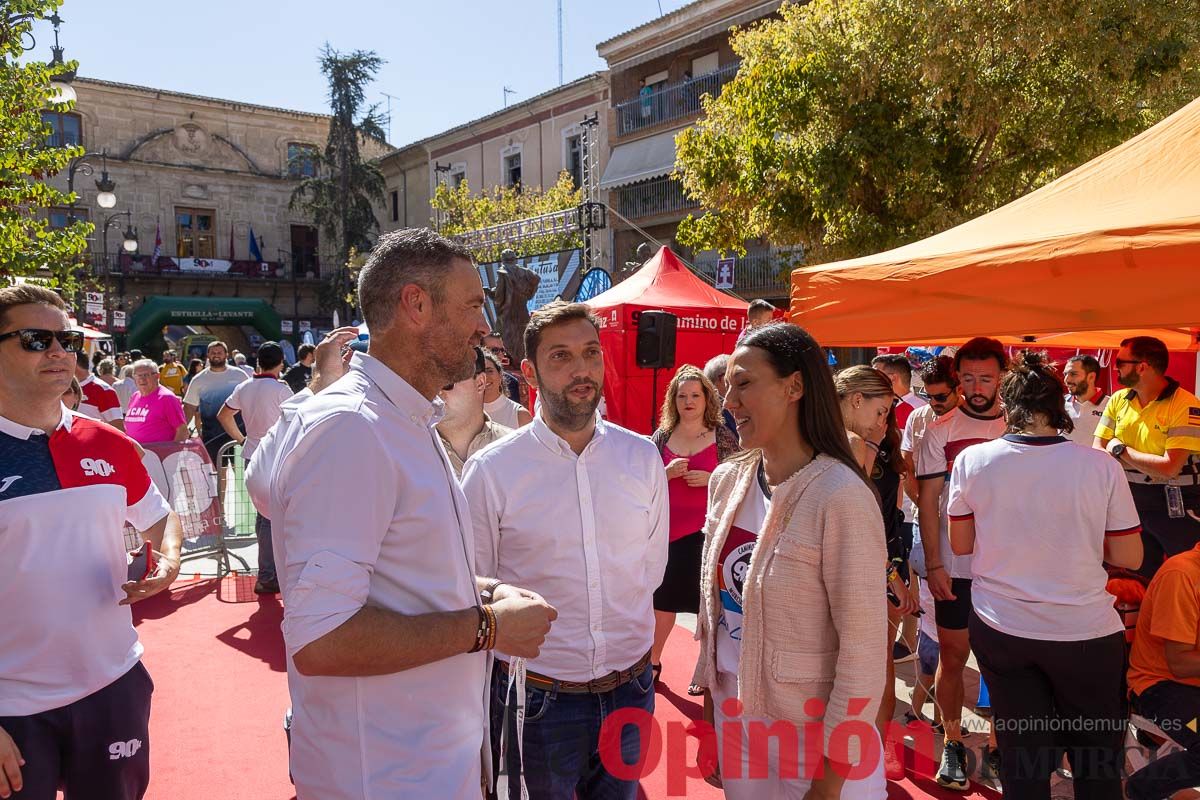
(1085, 400)
(383, 622)
(258, 400)
(206, 395)
(980, 364)
(576, 509)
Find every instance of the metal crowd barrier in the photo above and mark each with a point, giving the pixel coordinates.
(210, 500)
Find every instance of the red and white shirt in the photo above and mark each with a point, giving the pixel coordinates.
(64, 502)
(1042, 508)
(906, 405)
(945, 438)
(100, 401)
(1086, 415)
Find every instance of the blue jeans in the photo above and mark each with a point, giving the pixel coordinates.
(562, 739)
(266, 556)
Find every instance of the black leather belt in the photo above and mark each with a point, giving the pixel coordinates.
(609, 682)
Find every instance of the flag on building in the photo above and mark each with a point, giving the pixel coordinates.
(157, 244)
(231, 243)
(255, 253)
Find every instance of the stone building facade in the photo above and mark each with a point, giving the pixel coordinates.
(658, 73)
(199, 171)
(529, 143)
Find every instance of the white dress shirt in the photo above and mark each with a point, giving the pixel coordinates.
(260, 400)
(589, 533)
(366, 510)
(259, 466)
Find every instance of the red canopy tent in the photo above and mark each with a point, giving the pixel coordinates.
(709, 324)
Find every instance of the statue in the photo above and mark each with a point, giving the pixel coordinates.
(515, 285)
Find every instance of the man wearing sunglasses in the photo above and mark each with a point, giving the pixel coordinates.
(100, 401)
(1153, 429)
(74, 696)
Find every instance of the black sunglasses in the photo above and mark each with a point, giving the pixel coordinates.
(1122, 361)
(37, 340)
(940, 398)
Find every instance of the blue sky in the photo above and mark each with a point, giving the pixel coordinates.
(448, 60)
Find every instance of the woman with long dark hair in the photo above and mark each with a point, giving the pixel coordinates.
(792, 621)
(1042, 515)
(868, 409)
(692, 440)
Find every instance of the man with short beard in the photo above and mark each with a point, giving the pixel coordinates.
(385, 621)
(1153, 428)
(575, 508)
(980, 363)
(466, 428)
(1085, 400)
(206, 395)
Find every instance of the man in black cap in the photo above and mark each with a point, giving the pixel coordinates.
(259, 401)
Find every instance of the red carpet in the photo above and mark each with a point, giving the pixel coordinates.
(221, 691)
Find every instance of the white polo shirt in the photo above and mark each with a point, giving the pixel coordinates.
(366, 510)
(1086, 416)
(945, 439)
(1042, 508)
(64, 502)
(259, 400)
(587, 532)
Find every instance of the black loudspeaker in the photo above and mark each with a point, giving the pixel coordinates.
(656, 339)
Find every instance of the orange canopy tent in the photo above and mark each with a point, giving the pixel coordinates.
(709, 322)
(1108, 250)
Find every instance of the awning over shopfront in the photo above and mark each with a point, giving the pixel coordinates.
(651, 157)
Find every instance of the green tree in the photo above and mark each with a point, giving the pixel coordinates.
(28, 245)
(342, 196)
(858, 125)
(460, 211)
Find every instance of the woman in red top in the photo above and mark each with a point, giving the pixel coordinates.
(692, 441)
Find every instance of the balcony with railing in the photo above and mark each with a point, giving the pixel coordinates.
(672, 102)
(653, 198)
(762, 272)
(145, 266)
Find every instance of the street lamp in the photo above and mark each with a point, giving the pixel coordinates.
(129, 238)
(60, 83)
(104, 184)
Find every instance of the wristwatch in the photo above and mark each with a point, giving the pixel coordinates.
(1118, 450)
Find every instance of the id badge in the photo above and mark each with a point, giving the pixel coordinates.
(1175, 503)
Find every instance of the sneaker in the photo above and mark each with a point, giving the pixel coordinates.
(893, 768)
(991, 763)
(901, 653)
(952, 772)
(266, 587)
